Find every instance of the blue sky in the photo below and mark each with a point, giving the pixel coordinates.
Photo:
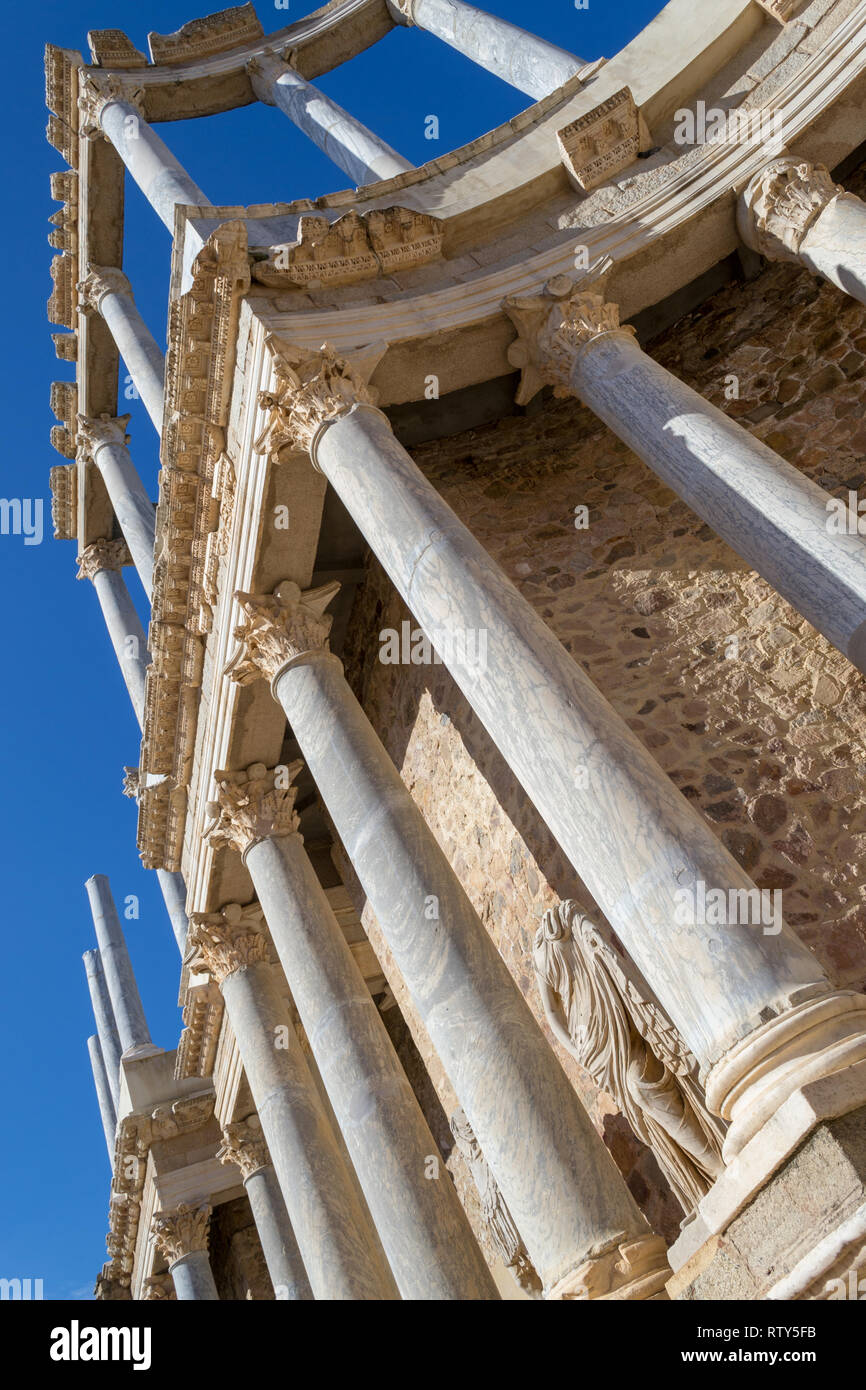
(68, 725)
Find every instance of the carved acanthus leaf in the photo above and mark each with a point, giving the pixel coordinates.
(604, 1014)
(254, 805)
(97, 91)
(181, 1231)
(312, 389)
(500, 1223)
(93, 434)
(229, 940)
(100, 280)
(279, 627)
(553, 328)
(102, 555)
(244, 1145)
(780, 204)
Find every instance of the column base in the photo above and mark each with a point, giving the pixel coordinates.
(789, 1213)
(634, 1269)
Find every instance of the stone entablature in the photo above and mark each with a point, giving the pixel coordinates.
(201, 38)
(355, 247)
(63, 480)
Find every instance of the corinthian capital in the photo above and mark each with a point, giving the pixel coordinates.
(402, 11)
(97, 91)
(553, 328)
(181, 1231)
(244, 1145)
(258, 804)
(312, 390)
(779, 205)
(93, 434)
(102, 555)
(229, 940)
(279, 627)
(99, 281)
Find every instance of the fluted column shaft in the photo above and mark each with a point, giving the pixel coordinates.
(107, 1112)
(106, 1027)
(421, 1223)
(526, 62)
(345, 141)
(126, 1002)
(338, 1242)
(107, 291)
(563, 1190)
(101, 562)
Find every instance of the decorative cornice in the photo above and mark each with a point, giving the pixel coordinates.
(244, 1145)
(780, 203)
(62, 302)
(102, 555)
(62, 67)
(635, 1268)
(229, 940)
(111, 48)
(357, 246)
(63, 480)
(99, 90)
(202, 1015)
(199, 38)
(161, 814)
(99, 281)
(279, 627)
(65, 346)
(93, 434)
(553, 328)
(131, 783)
(64, 403)
(257, 804)
(599, 145)
(312, 390)
(182, 1231)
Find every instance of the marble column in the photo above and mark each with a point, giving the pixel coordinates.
(102, 562)
(173, 891)
(639, 846)
(526, 62)
(337, 1240)
(107, 1112)
(792, 210)
(106, 291)
(561, 1185)
(123, 992)
(111, 106)
(103, 442)
(181, 1236)
(766, 509)
(244, 1145)
(345, 141)
(421, 1223)
(106, 1027)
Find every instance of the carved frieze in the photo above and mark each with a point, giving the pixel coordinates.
(65, 346)
(598, 146)
(161, 815)
(64, 404)
(278, 627)
(355, 247)
(252, 805)
(63, 301)
(215, 33)
(202, 1016)
(62, 67)
(497, 1217)
(64, 501)
(111, 48)
(604, 1014)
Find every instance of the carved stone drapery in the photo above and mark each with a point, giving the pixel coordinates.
(181, 1231)
(312, 389)
(244, 1145)
(229, 940)
(553, 327)
(279, 627)
(102, 555)
(254, 805)
(602, 1012)
(780, 204)
(500, 1223)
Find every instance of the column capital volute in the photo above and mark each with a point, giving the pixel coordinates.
(99, 281)
(95, 432)
(554, 327)
(244, 1145)
(100, 89)
(226, 941)
(312, 390)
(181, 1231)
(102, 555)
(280, 628)
(779, 204)
(254, 804)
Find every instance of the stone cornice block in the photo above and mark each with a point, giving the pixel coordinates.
(355, 247)
(200, 38)
(64, 501)
(111, 48)
(598, 146)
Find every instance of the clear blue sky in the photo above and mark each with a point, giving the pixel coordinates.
(68, 728)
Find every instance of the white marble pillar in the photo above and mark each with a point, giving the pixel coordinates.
(111, 106)
(181, 1236)
(103, 442)
(106, 1027)
(345, 141)
(422, 1226)
(561, 1185)
(102, 562)
(244, 1145)
(337, 1240)
(123, 992)
(106, 291)
(791, 210)
(639, 846)
(526, 62)
(107, 1111)
(173, 891)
